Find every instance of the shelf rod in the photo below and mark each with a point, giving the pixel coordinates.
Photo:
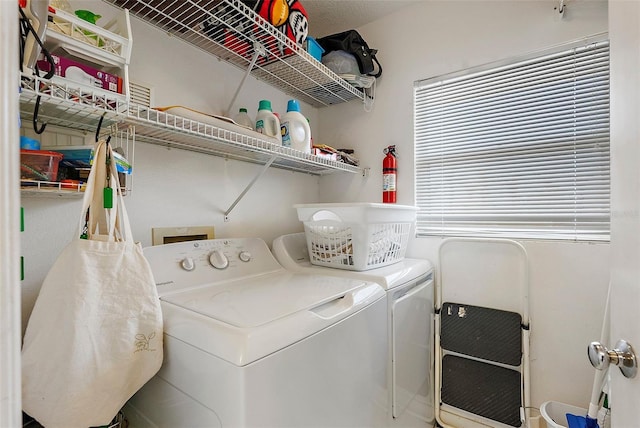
(264, 169)
(258, 50)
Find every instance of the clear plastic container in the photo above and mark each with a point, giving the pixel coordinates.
(40, 165)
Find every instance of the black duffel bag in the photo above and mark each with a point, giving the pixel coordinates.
(352, 42)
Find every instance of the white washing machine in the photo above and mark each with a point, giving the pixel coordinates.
(250, 344)
(410, 317)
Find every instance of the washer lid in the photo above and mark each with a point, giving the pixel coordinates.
(260, 300)
(242, 321)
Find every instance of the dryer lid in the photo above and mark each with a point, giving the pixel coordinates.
(242, 321)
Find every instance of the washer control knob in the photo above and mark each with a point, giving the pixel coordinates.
(188, 264)
(218, 260)
(245, 256)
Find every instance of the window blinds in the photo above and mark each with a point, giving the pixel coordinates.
(520, 150)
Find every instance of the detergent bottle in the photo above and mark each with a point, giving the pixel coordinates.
(266, 122)
(295, 129)
(243, 118)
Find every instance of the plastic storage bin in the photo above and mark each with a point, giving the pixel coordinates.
(555, 413)
(358, 236)
(40, 165)
(314, 49)
(81, 157)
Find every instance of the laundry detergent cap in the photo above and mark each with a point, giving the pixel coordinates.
(293, 105)
(264, 105)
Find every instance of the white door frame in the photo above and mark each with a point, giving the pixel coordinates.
(10, 319)
(624, 19)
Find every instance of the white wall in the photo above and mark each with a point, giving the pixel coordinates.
(568, 280)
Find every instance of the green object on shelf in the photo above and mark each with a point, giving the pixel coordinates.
(88, 16)
(21, 268)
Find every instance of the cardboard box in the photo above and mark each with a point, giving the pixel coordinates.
(81, 73)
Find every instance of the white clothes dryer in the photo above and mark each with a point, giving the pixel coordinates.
(250, 344)
(410, 318)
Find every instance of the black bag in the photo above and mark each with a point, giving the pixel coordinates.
(352, 42)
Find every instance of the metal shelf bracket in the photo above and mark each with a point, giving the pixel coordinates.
(258, 50)
(264, 169)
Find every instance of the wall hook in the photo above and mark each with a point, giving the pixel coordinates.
(99, 127)
(36, 110)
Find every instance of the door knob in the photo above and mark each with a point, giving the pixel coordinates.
(622, 356)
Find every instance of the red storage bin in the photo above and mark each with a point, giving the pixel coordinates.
(40, 165)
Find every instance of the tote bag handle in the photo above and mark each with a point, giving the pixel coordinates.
(97, 222)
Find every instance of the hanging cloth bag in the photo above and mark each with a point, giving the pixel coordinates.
(94, 337)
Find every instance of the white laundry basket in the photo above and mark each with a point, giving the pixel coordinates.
(357, 236)
(555, 413)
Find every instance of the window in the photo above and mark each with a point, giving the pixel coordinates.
(518, 149)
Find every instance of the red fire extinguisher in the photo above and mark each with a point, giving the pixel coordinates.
(389, 172)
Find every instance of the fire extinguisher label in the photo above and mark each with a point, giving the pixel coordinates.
(389, 183)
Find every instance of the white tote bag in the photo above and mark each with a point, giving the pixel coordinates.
(95, 334)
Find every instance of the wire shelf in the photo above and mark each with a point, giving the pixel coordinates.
(50, 189)
(233, 32)
(156, 127)
(67, 105)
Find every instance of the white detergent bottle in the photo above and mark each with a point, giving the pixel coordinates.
(295, 129)
(266, 122)
(243, 118)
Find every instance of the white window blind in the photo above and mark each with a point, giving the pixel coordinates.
(518, 150)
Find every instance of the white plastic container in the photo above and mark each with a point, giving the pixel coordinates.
(356, 236)
(295, 129)
(555, 413)
(267, 123)
(243, 118)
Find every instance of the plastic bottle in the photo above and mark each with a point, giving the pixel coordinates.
(266, 122)
(243, 118)
(604, 414)
(310, 136)
(296, 132)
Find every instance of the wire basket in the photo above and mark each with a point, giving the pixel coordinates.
(356, 236)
